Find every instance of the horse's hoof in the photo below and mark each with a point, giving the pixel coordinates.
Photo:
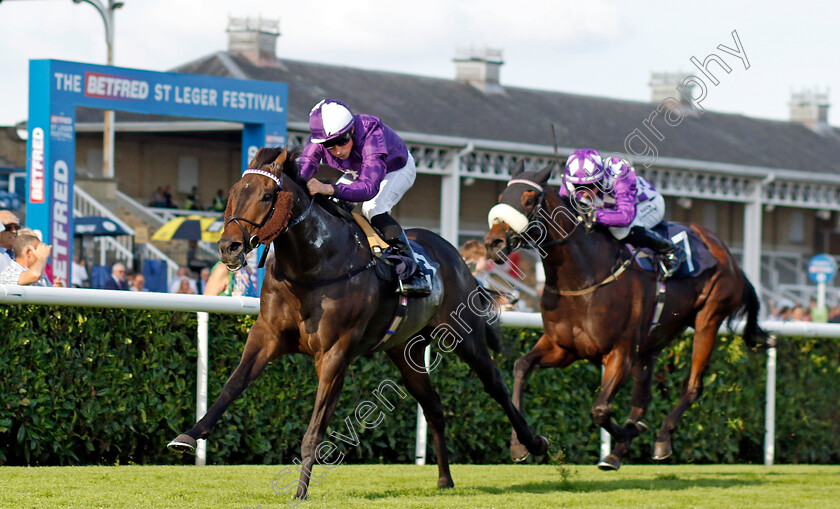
(641, 427)
(542, 448)
(445, 483)
(182, 443)
(661, 450)
(610, 462)
(518, 452)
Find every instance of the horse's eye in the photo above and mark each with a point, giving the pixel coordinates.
(267, 197)
(529, 202)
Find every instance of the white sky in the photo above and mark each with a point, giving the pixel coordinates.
(593, 47)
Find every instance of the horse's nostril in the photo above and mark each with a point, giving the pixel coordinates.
(234, 247)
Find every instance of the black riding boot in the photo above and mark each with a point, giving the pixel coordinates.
(670, 256)
(417, 284)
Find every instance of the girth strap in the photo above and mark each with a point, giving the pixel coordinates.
(399, 315)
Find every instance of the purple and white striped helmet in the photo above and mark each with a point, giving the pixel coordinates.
(584, 166)
(329, 119)
(617, 167)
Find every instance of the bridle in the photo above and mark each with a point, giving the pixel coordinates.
(254, 240)
(514, 240)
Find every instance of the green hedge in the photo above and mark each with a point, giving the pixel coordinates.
(82, 386)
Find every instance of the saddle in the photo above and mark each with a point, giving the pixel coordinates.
(698, 256)
(388, 268)
(392, 266)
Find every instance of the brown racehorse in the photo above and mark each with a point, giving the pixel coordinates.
(321, 297)
(594, 309)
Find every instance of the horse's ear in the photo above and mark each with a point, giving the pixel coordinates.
(291, 167)
(520, 167)
(277, 165)
(543, 175)
(253, 164)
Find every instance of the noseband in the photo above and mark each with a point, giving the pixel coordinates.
(254, 240)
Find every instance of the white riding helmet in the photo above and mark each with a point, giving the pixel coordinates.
(329, 119)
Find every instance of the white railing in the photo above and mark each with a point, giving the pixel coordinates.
(13, 294)
(123, 245)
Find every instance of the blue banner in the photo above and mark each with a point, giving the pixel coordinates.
(57, 88)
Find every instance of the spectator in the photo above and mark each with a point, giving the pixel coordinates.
(192, 201)
(185, 287)
(219, 201)
(834, 315)
(238, 284)
(158, 199)
(79, 273)
(28, 266)
(183, 273)
(167, 197)
(47, 275)
(139, 284)
(474, 255)
(800, 314)
(818, 314)
(203, 276)
(9, 228)
(116, 280)
(781, 311)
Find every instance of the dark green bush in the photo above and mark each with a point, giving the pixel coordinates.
(83, 386)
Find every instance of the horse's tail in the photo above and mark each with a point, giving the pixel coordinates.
(753, 334)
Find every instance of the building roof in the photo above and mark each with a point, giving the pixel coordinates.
(446, 107)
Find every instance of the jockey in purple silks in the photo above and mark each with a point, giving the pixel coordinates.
(621, 200)
(378, 170)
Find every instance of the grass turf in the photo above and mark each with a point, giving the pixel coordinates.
(399, 486)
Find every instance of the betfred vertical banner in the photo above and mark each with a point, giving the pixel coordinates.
(50, 161)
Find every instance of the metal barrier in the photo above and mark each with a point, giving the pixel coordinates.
(10, 294)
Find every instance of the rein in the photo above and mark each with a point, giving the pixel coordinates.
(584, 291)
(254, 240)
(353, 273)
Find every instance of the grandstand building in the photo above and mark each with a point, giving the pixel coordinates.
(770, 189)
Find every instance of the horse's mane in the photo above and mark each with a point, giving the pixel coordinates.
(267, 155)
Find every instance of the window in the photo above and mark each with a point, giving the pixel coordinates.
(187, 173)
(797, 227)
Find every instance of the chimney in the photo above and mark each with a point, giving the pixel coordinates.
(664, 85)
(480, 68)
(255, 39)
(810, 108)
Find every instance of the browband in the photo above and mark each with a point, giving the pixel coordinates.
(264, 174)
(526, 182)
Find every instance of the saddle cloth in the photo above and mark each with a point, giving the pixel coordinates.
(698, 257)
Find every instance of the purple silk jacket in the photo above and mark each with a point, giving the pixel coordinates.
(377, 150)
(617, 198)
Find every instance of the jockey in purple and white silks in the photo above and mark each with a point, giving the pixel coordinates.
(621, 200)
(378, 170)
